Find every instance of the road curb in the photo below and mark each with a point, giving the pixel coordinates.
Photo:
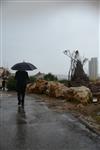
(88, 126)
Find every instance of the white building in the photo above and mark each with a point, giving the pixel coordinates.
(93, 68)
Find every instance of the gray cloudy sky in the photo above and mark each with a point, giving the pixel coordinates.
(39, 31)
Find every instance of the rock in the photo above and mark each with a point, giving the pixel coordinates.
(79, 94)
(55, 89)
(40, 87)
(28, 87)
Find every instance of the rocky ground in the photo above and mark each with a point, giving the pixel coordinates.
(89, 114)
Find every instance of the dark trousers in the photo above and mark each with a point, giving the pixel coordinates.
(21, 93)
(21, 97)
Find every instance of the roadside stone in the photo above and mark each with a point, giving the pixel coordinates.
(55, 89)
(39, 87)
(79, 94)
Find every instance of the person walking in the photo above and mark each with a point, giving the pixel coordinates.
(21, 78)
(3, 85)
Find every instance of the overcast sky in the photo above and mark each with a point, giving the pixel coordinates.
(39, 32)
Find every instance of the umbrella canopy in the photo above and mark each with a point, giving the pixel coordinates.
(23, 66)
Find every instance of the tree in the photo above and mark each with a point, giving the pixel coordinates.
(76, 71)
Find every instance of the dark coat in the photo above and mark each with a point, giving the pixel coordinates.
(21, 78)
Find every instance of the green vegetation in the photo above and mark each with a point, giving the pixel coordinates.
(32, 79)
(50, 77)
(11, 83)
(64, 81)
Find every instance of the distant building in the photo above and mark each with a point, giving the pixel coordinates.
(93, 68)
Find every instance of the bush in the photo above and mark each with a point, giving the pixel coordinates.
(50, 77)
(32, 79)
(64, 81)
(11, 83)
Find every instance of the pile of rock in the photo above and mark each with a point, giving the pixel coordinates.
(80, 94)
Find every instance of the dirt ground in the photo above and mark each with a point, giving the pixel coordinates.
(89, 113)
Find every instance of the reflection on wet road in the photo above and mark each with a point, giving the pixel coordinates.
(36, 127)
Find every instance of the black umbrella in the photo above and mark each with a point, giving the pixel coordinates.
(23, 66)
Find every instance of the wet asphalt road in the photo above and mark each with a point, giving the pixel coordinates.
(39, 128)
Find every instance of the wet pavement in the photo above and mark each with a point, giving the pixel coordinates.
(36, 127)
